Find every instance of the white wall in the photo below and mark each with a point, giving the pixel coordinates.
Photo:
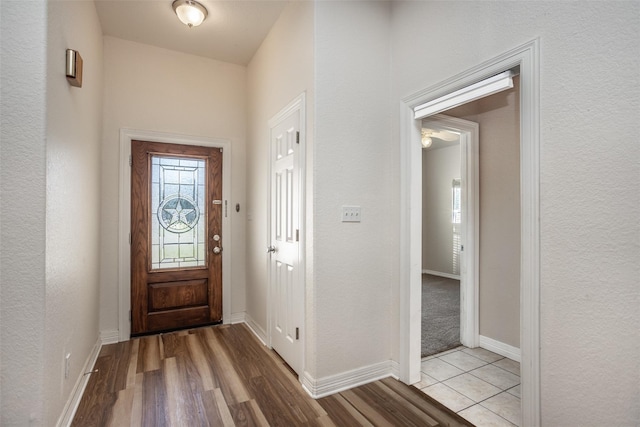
(74, 128)
(280, 70)
(154, 89)
(590, 164)
(50, 164)
(439, 168)
(22, 210)
(354, 263)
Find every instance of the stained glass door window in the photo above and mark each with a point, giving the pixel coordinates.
(178, 212)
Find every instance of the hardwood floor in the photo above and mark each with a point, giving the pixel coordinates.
(223, 376)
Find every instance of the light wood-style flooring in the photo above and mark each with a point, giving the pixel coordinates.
(223, 376)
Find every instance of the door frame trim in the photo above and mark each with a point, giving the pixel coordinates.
(527, 57)
(124, 217)
(297, 104)
(469, 268)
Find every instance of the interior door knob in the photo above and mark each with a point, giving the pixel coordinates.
(271, 249)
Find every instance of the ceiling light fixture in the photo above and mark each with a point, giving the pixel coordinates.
(426, 138)
(190, 12)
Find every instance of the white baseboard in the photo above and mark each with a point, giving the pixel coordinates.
(440, 274)
(71, 406)
(237, 318)
(322, 387)
(256, 329)
(109, 337)
(395, 370)
(500, 348)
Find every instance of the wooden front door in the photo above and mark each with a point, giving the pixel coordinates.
(176, 240)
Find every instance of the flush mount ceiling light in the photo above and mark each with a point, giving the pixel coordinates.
(190, 12)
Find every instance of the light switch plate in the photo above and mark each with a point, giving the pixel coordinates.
(351, 214)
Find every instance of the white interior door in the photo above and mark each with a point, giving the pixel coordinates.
(286, 293)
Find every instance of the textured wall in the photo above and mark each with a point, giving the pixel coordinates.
(149, 88)
(439, 168)
(74, 128)
(590, 168)
(279, 71)
(353, 262)
(22, 211)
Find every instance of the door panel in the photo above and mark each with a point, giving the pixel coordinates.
(176, 218)
(285, 251)
(283, 320)
(189, 293)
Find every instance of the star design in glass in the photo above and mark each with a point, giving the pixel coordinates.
(178, 214)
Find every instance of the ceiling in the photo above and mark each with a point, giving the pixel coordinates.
(233, 31)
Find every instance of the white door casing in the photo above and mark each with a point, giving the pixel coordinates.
(469, 262)
(286, 274)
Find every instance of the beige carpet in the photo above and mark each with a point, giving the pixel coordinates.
(440, 314)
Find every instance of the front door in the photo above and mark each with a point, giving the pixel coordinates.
(286, 290)
(176, 240)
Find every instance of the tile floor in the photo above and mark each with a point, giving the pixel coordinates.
(479, 385)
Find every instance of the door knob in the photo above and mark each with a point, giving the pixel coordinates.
(217, 250)
(271, 249)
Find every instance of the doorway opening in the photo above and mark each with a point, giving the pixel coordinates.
(526, 59)
(449, 261)
(494, 367)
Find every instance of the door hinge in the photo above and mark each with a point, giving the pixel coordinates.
(129, 315)
(297, 333)
(129, 238)
(130, 161)
(297, 235)
(461, 248)
(297, 137)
